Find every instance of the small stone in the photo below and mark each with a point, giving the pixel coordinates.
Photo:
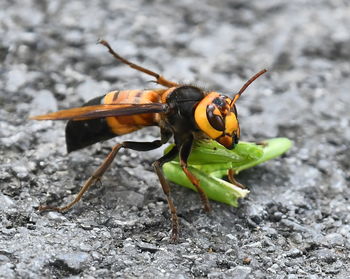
(90, 89)
(325, 255)
(20, 170)
(297, 238)
(231, 236)
(75, 261)
(239, 272)
(294, 253)
(335, 239)
(247, 260)
(16, 78)
(274, 268)
(131, 198)
(6, 202)
(3, 259)
(7, 270)
(74, 37)
(43, 102)
(56, 216)
(144, 246)
(85, 247)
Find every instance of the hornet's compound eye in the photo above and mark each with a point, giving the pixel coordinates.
(215, 118)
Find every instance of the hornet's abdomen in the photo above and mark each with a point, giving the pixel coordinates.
(80, 134)
(126, 124)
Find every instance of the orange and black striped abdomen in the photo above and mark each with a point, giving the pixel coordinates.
(80, 134)
(126, 124)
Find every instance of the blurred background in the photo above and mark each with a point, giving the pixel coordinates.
(295, 222)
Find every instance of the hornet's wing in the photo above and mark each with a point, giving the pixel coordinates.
(100, 111)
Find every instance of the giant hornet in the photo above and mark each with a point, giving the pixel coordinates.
(184, 111)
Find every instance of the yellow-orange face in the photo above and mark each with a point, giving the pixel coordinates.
(216, 116)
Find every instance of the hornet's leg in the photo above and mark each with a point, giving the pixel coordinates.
(157, 165)
(96, 176)
(231, 173)
(262, 143)
(185, 151)
(159, 79)
(232, 179)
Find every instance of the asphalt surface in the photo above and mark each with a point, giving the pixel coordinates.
(295, 222)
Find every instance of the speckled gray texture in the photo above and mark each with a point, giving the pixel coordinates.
(295, 223)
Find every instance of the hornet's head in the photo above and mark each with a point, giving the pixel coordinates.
(216, 116)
